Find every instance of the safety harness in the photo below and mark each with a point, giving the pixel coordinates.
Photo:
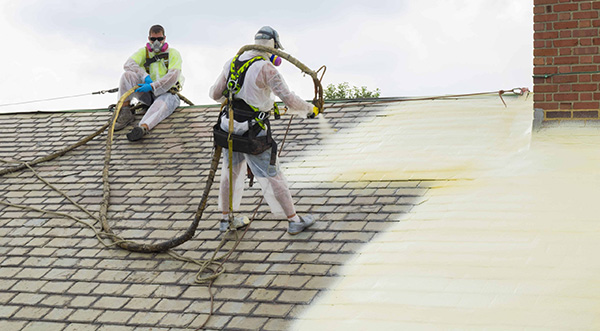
(161, 56)
(155, 58)
(243, 112)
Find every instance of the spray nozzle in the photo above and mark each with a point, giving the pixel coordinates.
(317, 109)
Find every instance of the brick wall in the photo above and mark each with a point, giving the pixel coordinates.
(567, 59)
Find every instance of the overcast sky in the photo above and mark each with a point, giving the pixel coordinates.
(403, 47)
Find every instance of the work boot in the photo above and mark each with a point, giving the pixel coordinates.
(137, 133)
(305, 222)
(237, 223)
(125, 117)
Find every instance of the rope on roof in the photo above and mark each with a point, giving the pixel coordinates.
(60, 98)
(112, 90)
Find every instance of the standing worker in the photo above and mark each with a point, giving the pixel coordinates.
(156, 69)
(249, 79)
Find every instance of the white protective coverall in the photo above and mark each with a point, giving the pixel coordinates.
(162, 103)
(262, 78)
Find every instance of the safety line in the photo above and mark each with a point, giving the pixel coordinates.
(565, 74)
(516, 91)
(60, 98)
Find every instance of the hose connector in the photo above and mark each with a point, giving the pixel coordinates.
(317, 109)
(314, 113)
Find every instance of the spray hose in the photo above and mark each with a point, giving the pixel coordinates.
(164, 245)
(125, 244)
(188, 234)
(318, 99)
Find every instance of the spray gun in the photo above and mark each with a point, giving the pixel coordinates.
(317, 108)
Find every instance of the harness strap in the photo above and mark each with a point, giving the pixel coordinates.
(155, 58)
(244, 112)
(176, 88)
(237, 73)
(149, 60)
(248, 142)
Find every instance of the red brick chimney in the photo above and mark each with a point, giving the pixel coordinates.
(567, 59)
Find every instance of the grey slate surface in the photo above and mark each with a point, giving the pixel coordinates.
(54, 275)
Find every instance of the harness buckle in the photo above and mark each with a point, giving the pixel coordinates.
(232, 85)
(262, 115)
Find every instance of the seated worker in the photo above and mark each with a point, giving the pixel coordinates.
(256, 97)
(155, 68)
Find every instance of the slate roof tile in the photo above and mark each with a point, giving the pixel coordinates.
(156, 186)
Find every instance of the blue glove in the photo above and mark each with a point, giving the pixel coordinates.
(148, 80)
(144, 88)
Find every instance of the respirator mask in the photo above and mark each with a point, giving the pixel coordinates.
(157, 46)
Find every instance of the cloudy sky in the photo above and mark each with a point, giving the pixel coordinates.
(55, 48)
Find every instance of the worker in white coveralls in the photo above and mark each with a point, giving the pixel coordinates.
(156, 70)
(252, 102)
